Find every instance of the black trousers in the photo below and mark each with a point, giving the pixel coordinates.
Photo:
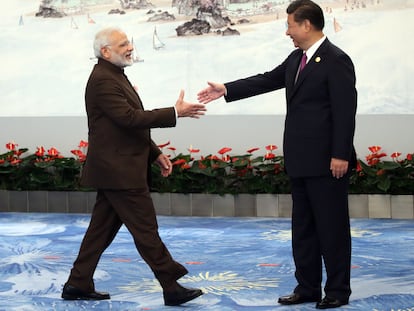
(321, 235)
(135, 209)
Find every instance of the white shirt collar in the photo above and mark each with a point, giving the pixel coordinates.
(313, 48)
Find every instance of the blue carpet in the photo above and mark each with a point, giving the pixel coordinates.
(240, 263)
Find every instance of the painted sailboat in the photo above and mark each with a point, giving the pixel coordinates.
(156, 42)
(90, 20)
(73, 24)
(135, 55)
(337, 27)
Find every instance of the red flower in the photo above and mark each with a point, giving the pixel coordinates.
(40, 151)
(164, 145)
(271, 147)
(11, 146)
(374, 149)
(172, 148)
(192, 150)
(77, 152)
(374, 158)
(380, 172)
(213, 157)
(224, 150)
(83, 144)
(179, 162)
(2, 161)
(53, 152)
(358, 167)
(373, 162)
(15, 161)
(17, 153)
(277, 168)
(395, 155)
(252, 150)
(269, 156)
(410, 157)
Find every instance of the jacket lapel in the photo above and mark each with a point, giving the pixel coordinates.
(293, 68)
(312, 65)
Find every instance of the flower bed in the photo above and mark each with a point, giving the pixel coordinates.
(222, 173)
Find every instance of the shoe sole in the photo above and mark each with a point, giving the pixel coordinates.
(288, 303)
(70, 297)
(183, 301)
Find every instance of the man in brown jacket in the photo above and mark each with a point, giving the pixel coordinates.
(117, 165)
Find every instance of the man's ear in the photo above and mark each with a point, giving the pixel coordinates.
(308, 25)
(105, 52)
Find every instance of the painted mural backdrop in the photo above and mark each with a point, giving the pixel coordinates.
(47, 60)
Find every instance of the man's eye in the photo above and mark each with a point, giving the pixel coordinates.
(124, 44)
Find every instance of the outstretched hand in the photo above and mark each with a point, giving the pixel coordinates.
(212, 92)
(186, 109)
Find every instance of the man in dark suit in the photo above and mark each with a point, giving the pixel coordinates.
(118, 166)
(318, 150)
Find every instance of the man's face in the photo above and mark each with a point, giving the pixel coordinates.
(296, 31)
(119, 51)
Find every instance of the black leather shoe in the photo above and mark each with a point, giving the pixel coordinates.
(72, 293)
(329, 302)
(295, 298)
(180, 295)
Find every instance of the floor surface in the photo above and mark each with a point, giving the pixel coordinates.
(240, 264)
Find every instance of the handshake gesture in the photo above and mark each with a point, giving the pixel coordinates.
(186, 109)
(212, 92)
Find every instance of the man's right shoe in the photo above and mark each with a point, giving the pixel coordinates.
(72, 293)
(180, 295)
(329, 302)
(296, 298)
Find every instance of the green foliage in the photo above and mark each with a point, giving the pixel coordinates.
(387, 177)
(39, 171)
(223, 174)
(217, 174)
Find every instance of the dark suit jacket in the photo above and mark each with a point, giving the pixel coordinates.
(321, 108)
(120, 146)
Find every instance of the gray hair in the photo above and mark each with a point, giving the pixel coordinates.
(102, 39)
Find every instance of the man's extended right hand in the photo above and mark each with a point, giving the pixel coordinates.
(186, 109)
(212, 92)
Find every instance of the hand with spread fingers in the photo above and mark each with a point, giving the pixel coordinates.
(186, 109)
(212, 92)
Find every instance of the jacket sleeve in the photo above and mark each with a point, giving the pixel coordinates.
(113, 101)
(154, 152)
(343, 106)
(257, 84)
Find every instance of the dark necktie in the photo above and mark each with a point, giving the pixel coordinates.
(301, 65)
(303, 62)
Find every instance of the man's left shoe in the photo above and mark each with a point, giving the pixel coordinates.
(180, 295)
(329, 302)
(72, 293)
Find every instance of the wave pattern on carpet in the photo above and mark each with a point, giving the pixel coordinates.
(239, 263)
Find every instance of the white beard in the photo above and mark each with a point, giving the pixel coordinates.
(121, 61)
